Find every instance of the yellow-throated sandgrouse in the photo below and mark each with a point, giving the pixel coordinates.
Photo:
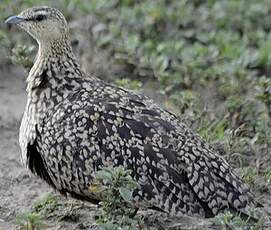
(73, 125)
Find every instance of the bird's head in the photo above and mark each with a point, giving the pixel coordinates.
(45, 24)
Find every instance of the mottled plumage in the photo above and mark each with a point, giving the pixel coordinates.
(74, 124)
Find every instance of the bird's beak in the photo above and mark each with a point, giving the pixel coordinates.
(14, 20)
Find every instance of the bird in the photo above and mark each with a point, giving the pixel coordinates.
(74, 124)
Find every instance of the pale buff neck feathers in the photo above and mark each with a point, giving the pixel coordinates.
(52, 56)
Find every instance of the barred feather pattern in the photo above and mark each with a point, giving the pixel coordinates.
(74, 125)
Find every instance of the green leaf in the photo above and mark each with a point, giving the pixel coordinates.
(126, 194)
(105, 175)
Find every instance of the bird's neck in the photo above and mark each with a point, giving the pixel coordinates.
(53, 76)
(54, 60)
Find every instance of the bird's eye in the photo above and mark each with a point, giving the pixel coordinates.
(40, 17)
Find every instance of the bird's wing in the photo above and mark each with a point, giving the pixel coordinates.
(177, 171)
(105, 131)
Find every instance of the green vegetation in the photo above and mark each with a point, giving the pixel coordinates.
(30, 221)
(47, 208)
(115, 186)
(268, 177)
(43, 209)
(128, 83)
(228, 221)
(249, 175)
(210, 61)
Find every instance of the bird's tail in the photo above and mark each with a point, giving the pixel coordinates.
(219, 188)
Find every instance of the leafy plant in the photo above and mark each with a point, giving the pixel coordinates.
(227, 220)
(46, 206)
(115, 187)
(30, 221)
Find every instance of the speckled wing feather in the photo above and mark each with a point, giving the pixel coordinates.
(103, 125)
